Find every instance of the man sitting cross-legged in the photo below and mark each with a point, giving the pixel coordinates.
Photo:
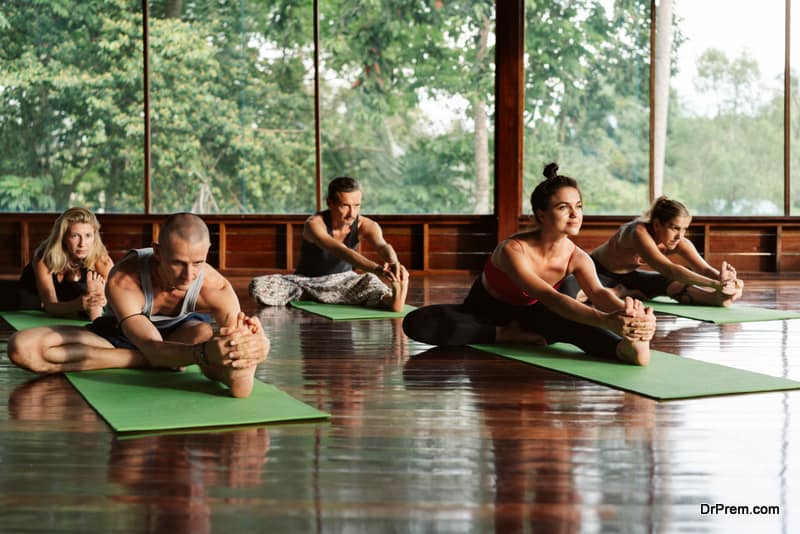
(328, 256)
(155, 295)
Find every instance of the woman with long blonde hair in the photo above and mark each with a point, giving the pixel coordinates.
(654, 241)
(70, 267)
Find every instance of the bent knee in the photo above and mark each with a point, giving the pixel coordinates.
(24, 350)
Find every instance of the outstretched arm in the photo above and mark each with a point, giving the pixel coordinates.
(726, 275)
(373, 234)
(585, 273)
(517, 265)
(315, 232)
(606, 300)
(646, 247)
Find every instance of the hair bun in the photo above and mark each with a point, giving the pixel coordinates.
(550, 170)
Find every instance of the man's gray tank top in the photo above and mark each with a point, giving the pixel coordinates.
(189, 301)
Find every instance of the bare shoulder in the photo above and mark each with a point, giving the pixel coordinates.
(214, 281)
(124, 277)
(313, 218)
(580, 255)
(636, 230)
(512, 247)
(367, 224)
(314, 227)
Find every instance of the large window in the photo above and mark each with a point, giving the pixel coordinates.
(725, 139)
(406, 98)
(587, 99)
(71, 100)
(232, 109)
(406, 104)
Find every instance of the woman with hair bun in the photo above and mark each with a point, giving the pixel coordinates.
(653, 240)
(70, 267)
(516, 297)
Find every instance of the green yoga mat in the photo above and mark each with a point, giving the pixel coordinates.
(667, 377)
(346, 312)
(22, 319)
(132, 400)
(717, 314)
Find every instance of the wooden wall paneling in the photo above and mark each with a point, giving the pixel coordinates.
(119, 237)
(14, 245)
(419, 253)
(213, 257)
(746, 247)
(297, 243)
(455, 247)
(255, 247)
(222, 251)
(290, 263)
(38, 231)
(25, 244)
(790, 248)
(426, 247)
(407, 242)
(256, 244)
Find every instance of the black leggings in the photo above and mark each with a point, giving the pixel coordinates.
(475, 321)
(652, 284)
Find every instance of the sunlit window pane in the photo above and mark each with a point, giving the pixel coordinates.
(724, 152)
(407, 103)
(587, 99)
(232, 107)
(71, 106)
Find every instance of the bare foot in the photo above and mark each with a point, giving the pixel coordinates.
(512, 333)
(634, 352)
(399, 284)
(95, 283)
(239, 380)
(241, 348)
(95, 297)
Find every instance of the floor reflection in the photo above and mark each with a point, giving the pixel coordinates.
(548, 476)
(344, 366)
(51, 398)
(170, 478)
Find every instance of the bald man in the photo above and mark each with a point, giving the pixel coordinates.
(156, 296)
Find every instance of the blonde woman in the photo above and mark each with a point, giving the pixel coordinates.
(654, 240)
(69, 269)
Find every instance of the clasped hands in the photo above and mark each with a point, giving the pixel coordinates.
(636, 322)
(394, 273)
(240, 345)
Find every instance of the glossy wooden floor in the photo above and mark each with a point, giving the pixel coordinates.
(424, 440)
